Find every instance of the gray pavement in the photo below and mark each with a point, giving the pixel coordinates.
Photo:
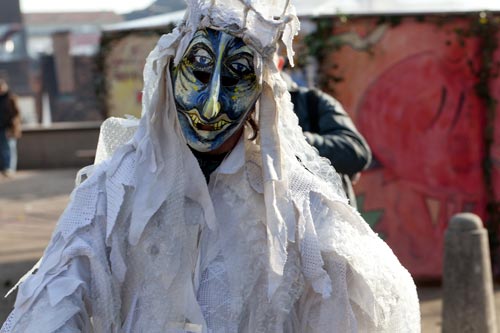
(30, 205)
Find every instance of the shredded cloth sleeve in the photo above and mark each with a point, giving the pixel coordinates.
(74, 280)
(382, 295)
(61, 306)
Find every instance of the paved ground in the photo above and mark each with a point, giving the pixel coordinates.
(30, 204)
(32, 201)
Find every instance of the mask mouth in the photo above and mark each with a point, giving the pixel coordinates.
(218, 124)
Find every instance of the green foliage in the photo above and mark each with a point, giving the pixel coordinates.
(372, 217)
(320, 42)
(486, 28)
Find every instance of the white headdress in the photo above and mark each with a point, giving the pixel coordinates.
(261, 24)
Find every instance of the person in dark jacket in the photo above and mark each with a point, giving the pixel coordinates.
(328, 127)
(8, 112)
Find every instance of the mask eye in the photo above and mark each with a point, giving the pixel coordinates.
(240, 66)
(201, 62)
(201, 58)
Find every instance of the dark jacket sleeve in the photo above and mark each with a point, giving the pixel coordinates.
(337, 138)
(14, 108)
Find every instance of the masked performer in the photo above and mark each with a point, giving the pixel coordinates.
(217, 216)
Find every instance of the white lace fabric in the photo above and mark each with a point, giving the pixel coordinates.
(269, 245)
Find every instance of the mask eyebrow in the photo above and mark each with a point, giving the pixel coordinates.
(236, 45)
(200, 37)
(241, 51)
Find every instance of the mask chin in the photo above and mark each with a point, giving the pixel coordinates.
(208, 147)
(221, 143)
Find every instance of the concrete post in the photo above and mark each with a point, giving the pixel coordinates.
(468, 299)
(65, 71)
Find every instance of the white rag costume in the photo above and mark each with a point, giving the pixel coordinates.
(270, 244)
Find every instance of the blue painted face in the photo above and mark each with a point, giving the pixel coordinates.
(215, 88)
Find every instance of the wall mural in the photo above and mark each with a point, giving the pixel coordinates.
(124, 63)
(411, 85)
(411, 89)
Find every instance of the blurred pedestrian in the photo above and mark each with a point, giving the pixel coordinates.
(331, 131)
(13, 134)
(9, 126)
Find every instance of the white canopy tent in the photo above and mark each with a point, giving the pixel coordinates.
(311, 8)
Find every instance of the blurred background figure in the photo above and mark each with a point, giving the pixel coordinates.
(13, 134)
(10, 129)
(330, 130)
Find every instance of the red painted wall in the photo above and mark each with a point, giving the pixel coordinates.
(412, 95)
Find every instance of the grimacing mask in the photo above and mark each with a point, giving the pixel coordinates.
(215, 88)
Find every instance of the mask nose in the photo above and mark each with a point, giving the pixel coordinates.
(211, 109)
